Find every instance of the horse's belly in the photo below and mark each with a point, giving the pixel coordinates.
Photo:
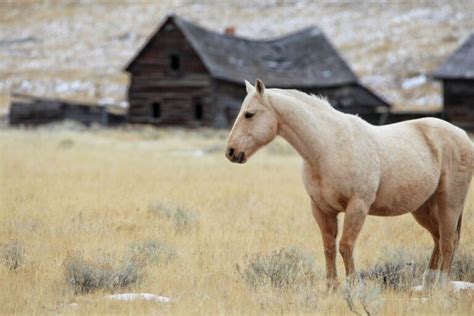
(401, 199)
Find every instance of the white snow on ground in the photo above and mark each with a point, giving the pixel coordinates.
(414, 82)
(454, 286)
(459, 286)
(129, 297)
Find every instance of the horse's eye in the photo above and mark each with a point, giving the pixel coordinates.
(249, 115)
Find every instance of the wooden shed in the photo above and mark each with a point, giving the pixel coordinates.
(457, 76)
(187, 75)
(34, 110)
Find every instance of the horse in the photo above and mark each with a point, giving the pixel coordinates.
(423, 167)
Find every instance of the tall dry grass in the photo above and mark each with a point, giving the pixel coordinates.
(100, 197)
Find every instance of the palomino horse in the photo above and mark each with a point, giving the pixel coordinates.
(422, 167)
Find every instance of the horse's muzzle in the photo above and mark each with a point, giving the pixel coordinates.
(233, 156)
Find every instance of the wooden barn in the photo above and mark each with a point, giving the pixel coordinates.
(187, 75)
(33, 110)
(457, 76)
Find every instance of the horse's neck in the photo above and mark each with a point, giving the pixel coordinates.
(309, 128)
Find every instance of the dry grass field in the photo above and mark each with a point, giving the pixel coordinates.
(93, 212)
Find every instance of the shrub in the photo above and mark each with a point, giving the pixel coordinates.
(368, 295)
(280, 269)
(66, 143)
(86, 276)
(12, 255)
(152, 251)
(462, 268)
(181, 218)
(397, 270)
(282, 281)
(401, 270)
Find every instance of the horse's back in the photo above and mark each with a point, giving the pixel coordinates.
(437, 137)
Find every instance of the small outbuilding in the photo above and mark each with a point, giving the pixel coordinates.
(457, 76)
(190, 76)
(34, 110)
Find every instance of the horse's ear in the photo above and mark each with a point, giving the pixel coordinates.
(260, 87)
(249, 87)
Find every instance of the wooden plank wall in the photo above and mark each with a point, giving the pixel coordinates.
(228, 99)
(35, 113)
(38, 112)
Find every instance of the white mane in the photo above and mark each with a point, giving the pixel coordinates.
(309, 99)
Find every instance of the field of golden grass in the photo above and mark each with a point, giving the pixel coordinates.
(94, 194)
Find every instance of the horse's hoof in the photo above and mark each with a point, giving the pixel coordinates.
(332, 285)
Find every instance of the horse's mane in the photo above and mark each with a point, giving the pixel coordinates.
(309, 99)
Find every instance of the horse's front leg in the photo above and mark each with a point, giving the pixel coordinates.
(327, 223)
(356, 212)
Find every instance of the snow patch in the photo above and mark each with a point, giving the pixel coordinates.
(454, 286)
(458, 286)
(413, 82)
(129, 297)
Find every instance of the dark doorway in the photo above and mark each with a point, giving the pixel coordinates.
(156, 110)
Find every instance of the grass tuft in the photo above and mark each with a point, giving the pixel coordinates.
(85, 276)
(280, 269)
(12, 255)
(152, 251)
(181, 218)
(398, 270)
(282, 280)
(462, 268)
(401, 270)
(368, 295)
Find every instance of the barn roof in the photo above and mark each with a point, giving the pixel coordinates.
(460, 65)
(302, 59)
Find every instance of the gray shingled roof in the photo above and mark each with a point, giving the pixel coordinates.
(460, 65)
(302, 59)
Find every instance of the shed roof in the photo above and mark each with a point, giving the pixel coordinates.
(460, 65)
(302, 59)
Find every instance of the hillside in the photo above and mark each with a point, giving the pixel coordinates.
(76, 49)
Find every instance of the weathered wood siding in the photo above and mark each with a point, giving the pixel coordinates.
(35, 113)
(228, 97)
(39, 112)
(458, 98)
(179, 92)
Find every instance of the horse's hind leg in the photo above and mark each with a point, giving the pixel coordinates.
(356, 212)
(426, 217)
(450, 201)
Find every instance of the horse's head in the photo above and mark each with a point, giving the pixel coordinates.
(255, 126)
